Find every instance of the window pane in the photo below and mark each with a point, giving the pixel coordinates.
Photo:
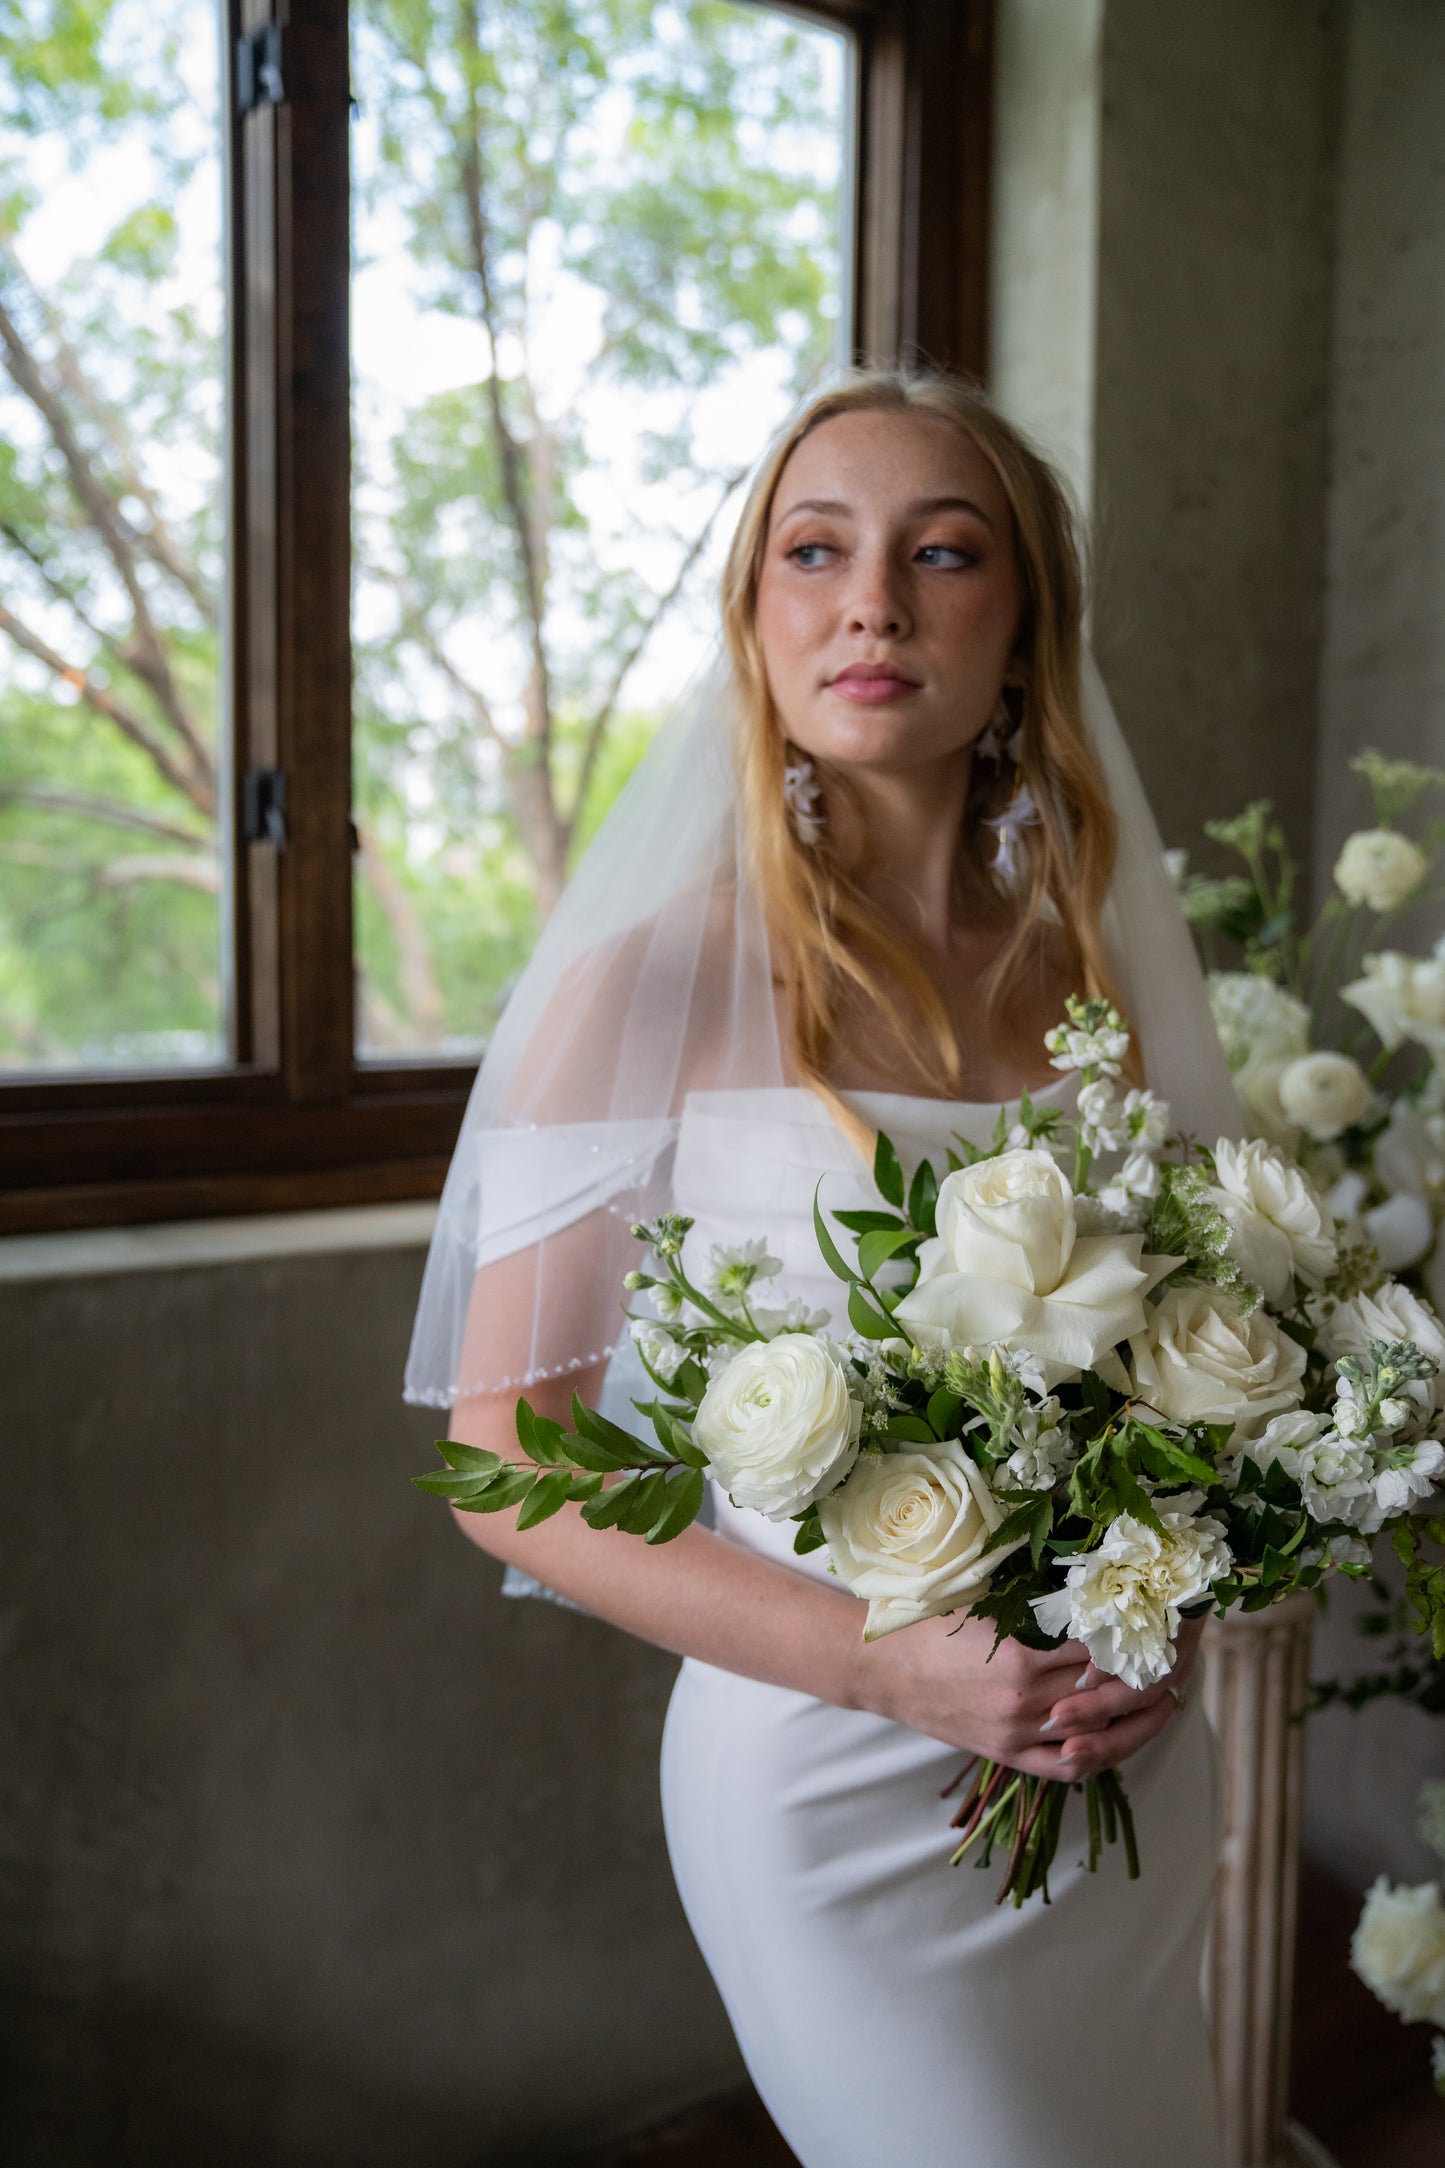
(111, 535)
(599, 250)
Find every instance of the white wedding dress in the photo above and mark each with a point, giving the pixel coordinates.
(889, 2012)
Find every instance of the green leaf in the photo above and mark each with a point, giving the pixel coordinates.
(605, 1510)
(867, 1223)
(448, 1484)
(810, 1535)
(540, 1438)
(876, 1249)
(645, 1504)
(469, 1458)
(599, 1431)
(832, 1255)
(887, 1173)
(923, 1197)
(550, 1493)
(865, 1319)
(911, 1430)
(504, 1491)
(944, 1409)
(582, 1487)
(681, 1508)
(582, 1453)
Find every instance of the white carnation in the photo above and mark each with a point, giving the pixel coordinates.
(1203, 1359)
(1278, 1223)
(779, 1425)
(1124, 1600)
(1324, 1093)
(1379, 867)
(909, 1532)
(1398, 1950)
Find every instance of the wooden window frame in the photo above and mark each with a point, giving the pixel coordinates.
(297, 1121)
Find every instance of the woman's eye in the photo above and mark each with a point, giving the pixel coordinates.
(946, 556)
(808, 554)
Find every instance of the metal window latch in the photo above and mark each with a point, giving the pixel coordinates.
(258, 69)
(263, 806)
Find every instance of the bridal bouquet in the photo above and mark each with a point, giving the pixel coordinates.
(1096, 1382)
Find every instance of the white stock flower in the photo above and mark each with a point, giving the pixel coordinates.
(665, 1299)
(1334, 1474)
(1147, 1119)
(1101, 1116)
(794, 1315)
(1398, 1950)
(658, 1348)
(1392, 1313)
(779, 1424)
(1339, 1551)
(1324, 1093)
(1124, 1600)
(1045, 1452)
(732, 1268)
(1379, 867)
(1401, 997)
(1073, 1048)
(1408, 1474)
(1257, 1020)
(1009, 1267)
(908, 1533)
(1201, 1359)
(1278, 1224)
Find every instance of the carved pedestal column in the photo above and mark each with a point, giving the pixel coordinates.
(1256, 1676)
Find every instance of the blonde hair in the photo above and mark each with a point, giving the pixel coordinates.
(827, 933)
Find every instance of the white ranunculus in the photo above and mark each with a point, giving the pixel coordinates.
(1392, 1313)
(1408, 1154)
(1008, 1267)
(779, 1425)
(1258, 1089)
(1344, 1198)
(1379, 867)
(1401, 997)
(908, 1533)
(1124, 1600)
(1278, 1224)
(1201, 1359)
(1402, 1230)
(1257, 1020)
(1323, 1093)
(1398, 1950)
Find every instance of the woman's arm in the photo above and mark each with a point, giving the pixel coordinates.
(705, 1597)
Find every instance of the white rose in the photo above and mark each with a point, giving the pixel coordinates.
(779, 1425)
(1380, 867)
(1323, 1093)
(1398, 1950)
(1009, 1267)
(1392, 1313)
(1402, 1230)
(1278, 1225)
(1200, 1359)
(908, 1532)
(1401, 997)
(1257, 1020)
(1124, 1600)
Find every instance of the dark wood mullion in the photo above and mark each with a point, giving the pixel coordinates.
(313, 573)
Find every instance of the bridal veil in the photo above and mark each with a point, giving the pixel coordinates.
(654, 978)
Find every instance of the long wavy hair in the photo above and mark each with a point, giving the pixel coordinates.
(828, 936)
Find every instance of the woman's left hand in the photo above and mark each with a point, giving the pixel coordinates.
(1102, 1722)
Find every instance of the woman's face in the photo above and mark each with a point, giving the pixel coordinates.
(890, 595)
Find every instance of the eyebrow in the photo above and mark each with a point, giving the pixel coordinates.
(831, 508)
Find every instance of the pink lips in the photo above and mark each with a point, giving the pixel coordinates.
(871, 684)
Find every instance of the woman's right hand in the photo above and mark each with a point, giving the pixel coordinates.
(1046, 1712)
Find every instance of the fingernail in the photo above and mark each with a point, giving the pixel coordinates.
(1081, 1682)
(1052, 1725)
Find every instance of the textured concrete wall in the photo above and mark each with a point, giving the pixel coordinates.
(1215, 246)
(1383, 681)
(313, 1850)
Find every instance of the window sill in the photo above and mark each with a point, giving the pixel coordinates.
(97, 1253)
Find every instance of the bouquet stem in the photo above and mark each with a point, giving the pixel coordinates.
(1004, 1807)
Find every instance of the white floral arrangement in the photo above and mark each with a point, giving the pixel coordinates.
(1335, 1036)
(1398, 1948)
(1098, 1380)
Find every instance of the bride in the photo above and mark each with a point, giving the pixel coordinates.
(849, 889)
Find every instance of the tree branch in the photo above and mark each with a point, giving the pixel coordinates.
(202, 873)
(194, 788)
(146, 654)
(597, 728)
(110, 810)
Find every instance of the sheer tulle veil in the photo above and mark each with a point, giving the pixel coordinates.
(652, 979)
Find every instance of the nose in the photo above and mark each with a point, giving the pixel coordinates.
(877, 605)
